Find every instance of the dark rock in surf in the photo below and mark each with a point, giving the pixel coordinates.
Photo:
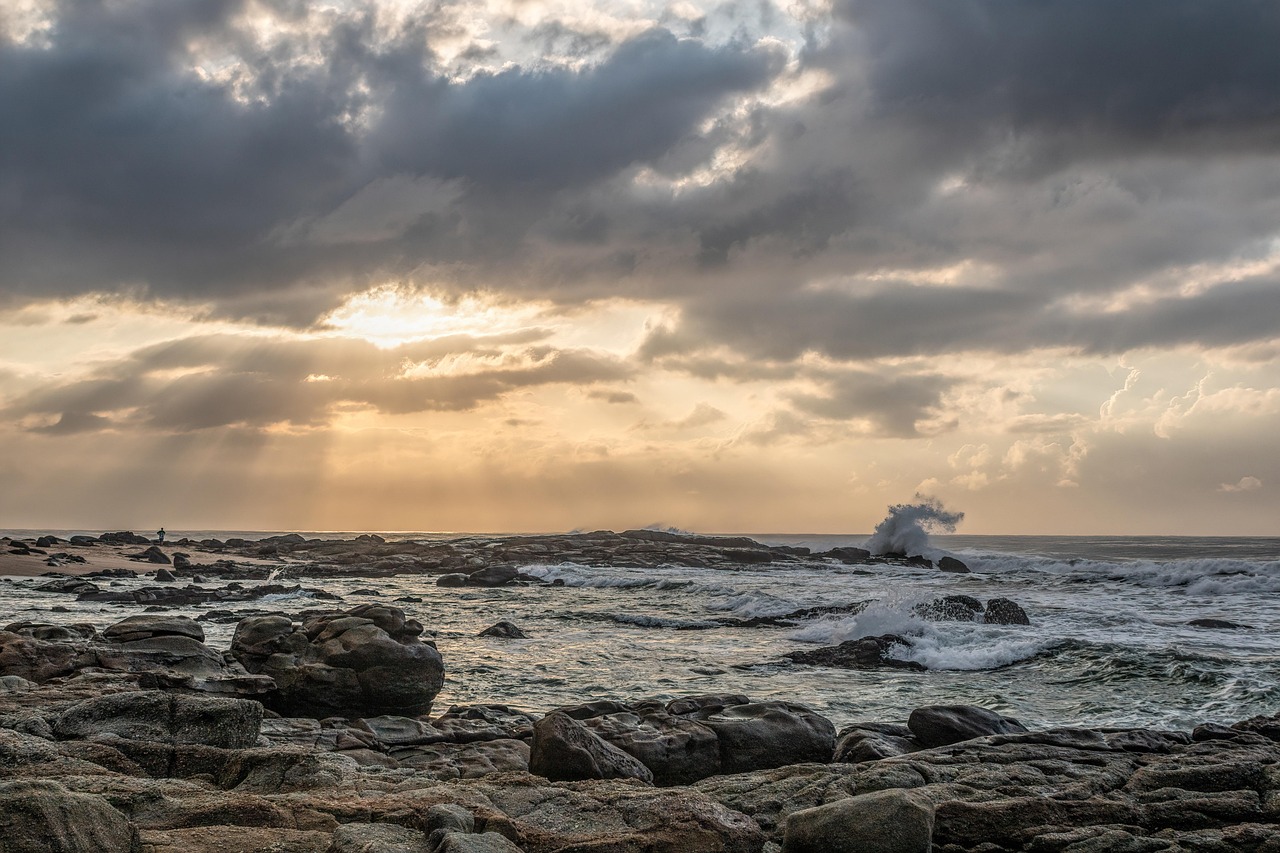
(147, 626)
(848, 556)
(1219, 624)
(491, 576)
(164, 576)
(952, 565)
(504, 630)
(951, 608)
(455, 579)
(943, 725)
(181, 560)
(1002, 611)
(863, 653)
(124, 537)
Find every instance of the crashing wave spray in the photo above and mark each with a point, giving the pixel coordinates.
(906, 529)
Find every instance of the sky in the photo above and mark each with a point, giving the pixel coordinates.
(542, 265)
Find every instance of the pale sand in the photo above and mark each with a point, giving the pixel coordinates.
(98, 557)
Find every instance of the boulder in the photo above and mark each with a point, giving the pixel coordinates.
(164, 576)
(499, 575)
(454, 579)
(565, 750)
(504, 630)
(151, 555)
(873, 741)
(180, 561)
(366, 661)
(676, 750)
(150, 625)
(951, 564)
(848, 556)
(1219, 624)
(892, 821)
(43, 816)
(1002, 611)
(951, 608)
(764, 735)
(943, 725)
(167, 718)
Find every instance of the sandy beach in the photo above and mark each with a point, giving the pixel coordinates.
(97, 558)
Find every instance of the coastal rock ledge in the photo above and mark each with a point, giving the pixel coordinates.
(92, 763)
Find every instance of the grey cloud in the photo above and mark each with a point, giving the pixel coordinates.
(893, 403)
(1143, 68)
(612, 396)
(71, 423)
(226, 381)
(122, 168)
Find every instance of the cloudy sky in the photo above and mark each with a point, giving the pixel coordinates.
(498, 265)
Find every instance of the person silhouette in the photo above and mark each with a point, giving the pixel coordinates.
(160, 534)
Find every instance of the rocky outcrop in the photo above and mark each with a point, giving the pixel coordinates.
(40, 816)
(365, 661)
(504, 630)
(862, 653)
(160, 717)
(943, 725)
(564, 750)
(892, 821)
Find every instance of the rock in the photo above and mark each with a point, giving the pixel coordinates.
(15, 684)
(1002, 611)
(485, 842)
(493, 576)
(566, 750)
(764, 735)
(164, 718)
(1219, 624)
(873, 741)
(676, 750)
(942, 725)
(449, 817)
(848, 556)
(951, 608)
(454, 579)
(504, 630)
(164, 576)
(468, 723)
(892, 821)
(43, 816)
(150, 555)
(863, 653)
(73, 586)
(361, 662)
(48, 542)
(180, 561)
(951, 564)
(377, 838)
(153, 625)
(83, 541)
(465, 760)
(126, 537)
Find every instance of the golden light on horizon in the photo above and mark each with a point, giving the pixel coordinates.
(388, 316)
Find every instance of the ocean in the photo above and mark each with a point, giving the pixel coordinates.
(1109, 642)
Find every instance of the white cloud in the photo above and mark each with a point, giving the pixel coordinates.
(1245, 484)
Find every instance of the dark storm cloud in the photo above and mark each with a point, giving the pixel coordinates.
(120, 167)
(1142, 68)
(224, 380)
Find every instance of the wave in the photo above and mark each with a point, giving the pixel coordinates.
(643, 621)
(1197, 576)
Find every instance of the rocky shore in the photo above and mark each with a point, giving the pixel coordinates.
(318, 732)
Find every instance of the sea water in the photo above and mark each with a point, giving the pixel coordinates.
(1109, 643)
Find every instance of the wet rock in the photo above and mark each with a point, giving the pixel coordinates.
(126, 537)
(1219, 624)
(942, 725)
(455, 579)
(43, 816)
(951, 608)
(863, 653)
(952, 565)
(504, 630)
(493, 576)
(566, 750)
(369, 660)
(891, 821)
(1002, 611)
(180, 561)
(468, 723)
(465, 760)
(164, 576)
(73, 586)
(848, 556)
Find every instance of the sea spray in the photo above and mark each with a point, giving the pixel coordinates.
(906, 529)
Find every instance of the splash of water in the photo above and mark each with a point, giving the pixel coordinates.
(906, 529)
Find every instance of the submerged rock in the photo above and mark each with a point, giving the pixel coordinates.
(1002, 611)
(504, 630)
